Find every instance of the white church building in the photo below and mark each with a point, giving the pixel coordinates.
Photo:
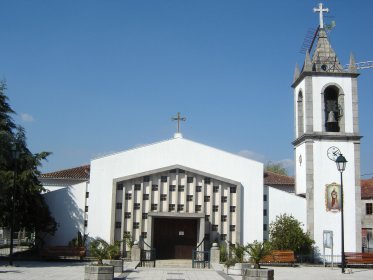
(178, 192)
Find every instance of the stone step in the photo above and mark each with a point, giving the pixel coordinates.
(181, 263)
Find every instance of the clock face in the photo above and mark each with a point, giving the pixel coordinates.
(333, 153)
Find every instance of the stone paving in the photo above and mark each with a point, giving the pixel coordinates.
(33, 270)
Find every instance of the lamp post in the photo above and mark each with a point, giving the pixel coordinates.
(341, 166)
(15, 155)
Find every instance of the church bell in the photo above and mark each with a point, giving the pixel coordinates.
(331, 118)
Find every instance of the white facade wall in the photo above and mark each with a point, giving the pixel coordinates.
(67, 207)
(177, 151)
(300, 169)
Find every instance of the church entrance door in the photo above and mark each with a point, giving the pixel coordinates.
(175, 238)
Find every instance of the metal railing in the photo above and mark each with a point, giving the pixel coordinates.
(147, 256)
(201, 256)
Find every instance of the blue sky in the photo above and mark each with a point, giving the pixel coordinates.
(93, 77)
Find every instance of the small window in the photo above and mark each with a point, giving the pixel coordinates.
(198, 188)
(137, 187)
(118, 205)
(85, 223)
(171, 207)
(190, 180)
(154, 188)
(214, 227)
(198, 208)
(164, 179)
(223, 237)
(144, 234)
(173, 171)
(369, 208)
(128, 196)
(180, 207)
(215, 208)
(265, 197)
(232, 228)
(232, 209)
(189, 197)
(127, 215)
(264, 212)
(207, 198)
(136, 206)
(216, 189)
(119, 186)
(180, 188)
(86, 209)
(86, 194)
(207, 218)
(154, 207)
(233, 189)
(207, 180)
(224, 199)
(144, 216)
(265, 227)
(136, 225)
(172, 188)
(181, 171)
(163, 197)
(118, 224)
(145, 196)
(223, 218)
(146, 179)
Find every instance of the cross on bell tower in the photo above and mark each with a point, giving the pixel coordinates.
(321, 10)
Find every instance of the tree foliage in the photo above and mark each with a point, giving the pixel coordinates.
(257, 251)
(286, 234)
(276, 168)
(19, 177)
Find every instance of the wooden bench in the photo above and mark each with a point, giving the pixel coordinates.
(358, 258)
(279, 257)
(63, 251)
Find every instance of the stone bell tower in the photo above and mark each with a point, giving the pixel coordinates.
(326, 121)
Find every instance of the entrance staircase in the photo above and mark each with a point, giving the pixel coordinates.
(174, 263)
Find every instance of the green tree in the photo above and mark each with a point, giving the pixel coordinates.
(286, 234)
(258, 251)
(19, 177)
(276, 168)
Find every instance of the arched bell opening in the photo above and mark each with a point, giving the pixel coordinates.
(333, 111)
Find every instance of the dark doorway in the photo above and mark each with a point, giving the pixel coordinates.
(175, 238)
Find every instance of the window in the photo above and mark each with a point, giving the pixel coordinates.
(232, 209)
(223, 237)
(119, 186)
(223, 218)
(144, 216)
(127, 215)
(118, 205)
(136, 225)
(128, 196)
(118, 224)
(172, 188)
(207, 180)
(264, 212)
(154, 188)
(180, 207)
(207, 218)
(369, 208)
(207, 236)
(136, 206)
(144, 234)
(265, 197)
(216, 189)
(215, 208)
(233, 189)
(180, 188)
(198, 188)
(146, 179)
(214, 227)
(207, 198)
(181, 170)
(198, 208)
(232, 228)
(145, 196)
(86, 209)
(190, 180)
(164, 179)
(224, 199)
(265, 227)
(137, 187)
(189, 197)
(173, 171)
(86, 194)
(171, 207)
(85, 223)
(163, 197)
(154, 207)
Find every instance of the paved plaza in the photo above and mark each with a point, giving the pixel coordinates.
(33, 270)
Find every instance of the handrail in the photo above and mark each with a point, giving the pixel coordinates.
(199, 245)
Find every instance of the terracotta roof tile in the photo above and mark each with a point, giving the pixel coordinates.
(77, 173)
(367, 188)
(271, 178)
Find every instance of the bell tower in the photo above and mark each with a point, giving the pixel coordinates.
(326, 116)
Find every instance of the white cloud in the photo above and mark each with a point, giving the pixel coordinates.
(27, 117)
(253, 155)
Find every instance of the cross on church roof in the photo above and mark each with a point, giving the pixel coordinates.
(178, 119)
(321, 10)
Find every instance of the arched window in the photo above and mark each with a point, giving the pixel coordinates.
(332, 109)
(300, 114)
